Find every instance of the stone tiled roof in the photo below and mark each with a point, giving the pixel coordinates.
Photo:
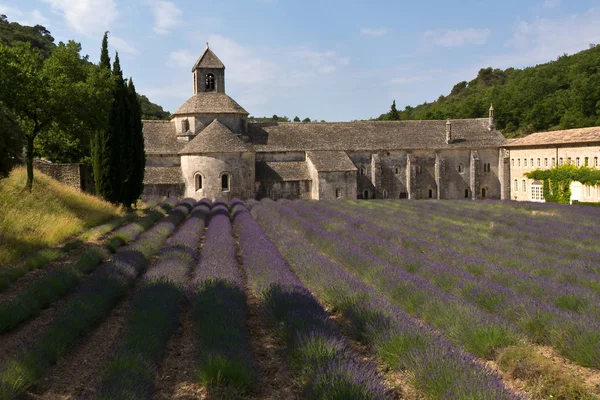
(163, 176)
(373, 135)
(282, 171)
(208, 59)
(581, 135)
(327, 161)
(215, 138)
(160, 137)
(210, 103)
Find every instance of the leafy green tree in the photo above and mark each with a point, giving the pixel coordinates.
(60, 91)
(296, 119)
(11, 142)
(151, 111)
(37, 36)
(306, 119)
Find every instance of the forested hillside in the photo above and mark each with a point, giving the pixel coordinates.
(560, 94)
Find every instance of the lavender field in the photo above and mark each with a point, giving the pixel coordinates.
(320, 300)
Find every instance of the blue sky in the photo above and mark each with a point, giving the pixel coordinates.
(329, 59)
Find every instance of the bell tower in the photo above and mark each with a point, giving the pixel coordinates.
(209, 73)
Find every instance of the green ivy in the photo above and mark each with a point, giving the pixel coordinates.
(557, 181)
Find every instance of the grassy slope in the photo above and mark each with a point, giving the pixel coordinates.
(45, 217)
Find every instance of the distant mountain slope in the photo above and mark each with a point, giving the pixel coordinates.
(561, 94)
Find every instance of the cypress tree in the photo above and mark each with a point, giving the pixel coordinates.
(104, 57)
(137, 162)
(394, 114)
(119, 136)
(102, 145)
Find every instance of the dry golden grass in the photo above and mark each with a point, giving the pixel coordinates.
(48, 215)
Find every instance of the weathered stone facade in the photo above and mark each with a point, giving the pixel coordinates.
(209, 137)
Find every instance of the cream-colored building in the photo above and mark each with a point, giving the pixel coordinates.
(544, 150)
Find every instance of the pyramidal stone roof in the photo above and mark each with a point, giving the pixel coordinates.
(216, 138)
(210, 103)
(208, 59)
(160, 138)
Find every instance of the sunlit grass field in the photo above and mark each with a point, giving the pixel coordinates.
(48, 215)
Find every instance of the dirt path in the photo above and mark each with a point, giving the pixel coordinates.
(79, 373)
(175, 379)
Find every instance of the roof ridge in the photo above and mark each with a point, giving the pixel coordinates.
(368, 121)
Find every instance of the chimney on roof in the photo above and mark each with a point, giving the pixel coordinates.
(491, 125)
(448, 132)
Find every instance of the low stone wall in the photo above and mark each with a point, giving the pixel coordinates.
(77, 176)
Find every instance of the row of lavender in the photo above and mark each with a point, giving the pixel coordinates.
(547, 239)
(91, 304)
(568, 295)
(483, 250)
(440, 369)
(574, 335)
(47, 289)
(322, 360)
(154, 313)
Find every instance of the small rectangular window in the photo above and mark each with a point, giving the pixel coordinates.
(524, 186)
(338, 193)
(595, 161)
(545, 162)
(519, 162)
(587, 161)
(539, 163)
(560, 161)
(513, 162)
(531, 162)
(516, 185)
(525, 161)
(569, 161)
(577, 162)
(553, 161)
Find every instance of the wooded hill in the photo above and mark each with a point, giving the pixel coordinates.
(560, 94)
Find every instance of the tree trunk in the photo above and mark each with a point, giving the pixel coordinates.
(29, 158)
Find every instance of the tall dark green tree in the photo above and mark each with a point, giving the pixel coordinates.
(394, 114)
(11, 141)
(103, 145)
(137, 162)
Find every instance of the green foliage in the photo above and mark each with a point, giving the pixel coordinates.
(296, 119)
(118, 156)
(560, 94)
(37, 36)
(104, 57)
(151, 111)
(274, 118)
(394, 114)
(557, 181)
(11, 142)
(306, 119)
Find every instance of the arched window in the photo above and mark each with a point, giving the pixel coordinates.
(338, 193)
(483, 192)
(461, 169)
(198, 181)
(467, 192)
(397, 170)
(209, 83)
(363, 171)
(225, 182)
(366, 194)
(430, 194)
(385, 193)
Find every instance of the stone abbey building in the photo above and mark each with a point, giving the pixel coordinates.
(209, 149)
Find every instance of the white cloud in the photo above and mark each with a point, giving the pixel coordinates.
(457, 37)
(373, 32)
(551, 3)
(122, 45)
(86, 16)
(166, 16)
(182, 59)
(323, 62)
(541, 40)
(30, 18)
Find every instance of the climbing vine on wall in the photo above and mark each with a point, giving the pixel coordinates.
(557, 181)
